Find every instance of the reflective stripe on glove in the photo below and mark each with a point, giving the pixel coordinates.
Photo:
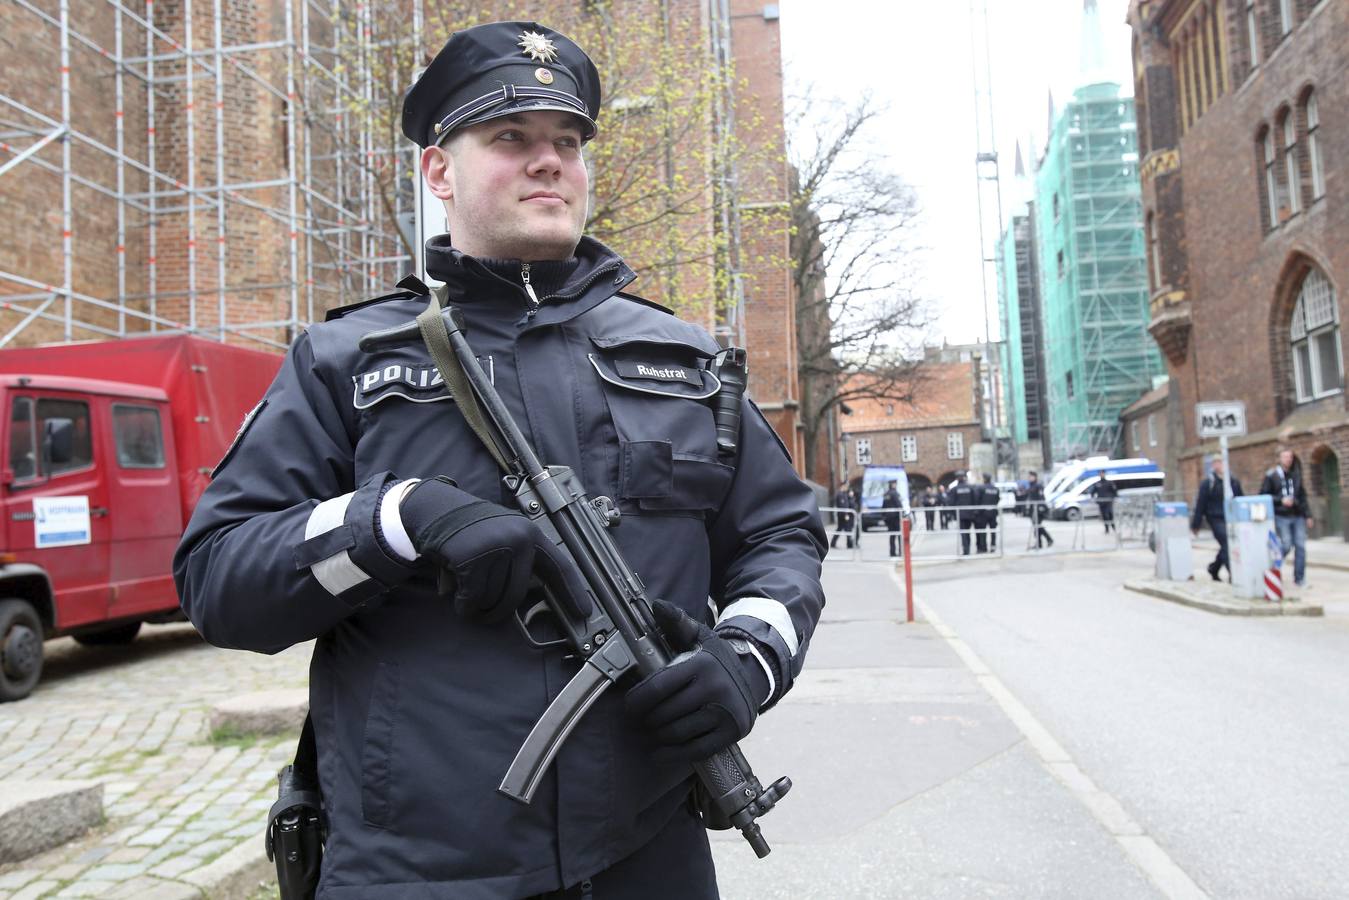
(704, 699)
(492, 552)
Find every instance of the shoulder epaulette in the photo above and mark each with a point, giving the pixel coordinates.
(645, 302)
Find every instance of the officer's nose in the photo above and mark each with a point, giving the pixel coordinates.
(545, 160)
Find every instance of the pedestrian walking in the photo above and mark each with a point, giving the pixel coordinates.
(1105, 492)
(351, 495)
(893, 505)
(1035, 502)
(963, 499)
(930, 503)
(1210, 506)
(845, 503)
(1292, 513)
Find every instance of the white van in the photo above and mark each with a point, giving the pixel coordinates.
(1075, 503)
(1074, 473)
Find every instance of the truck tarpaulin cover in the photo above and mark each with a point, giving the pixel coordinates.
(210, 386)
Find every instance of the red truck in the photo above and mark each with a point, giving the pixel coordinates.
(107, 447)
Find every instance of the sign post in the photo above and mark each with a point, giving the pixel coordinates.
(1222, 420)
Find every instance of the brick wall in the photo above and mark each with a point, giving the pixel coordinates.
(1239, 276)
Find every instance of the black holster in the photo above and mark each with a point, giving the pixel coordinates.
(296, 829)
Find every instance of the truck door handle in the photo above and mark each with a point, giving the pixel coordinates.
(98, 511)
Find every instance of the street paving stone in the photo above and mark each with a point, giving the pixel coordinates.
(136, 719)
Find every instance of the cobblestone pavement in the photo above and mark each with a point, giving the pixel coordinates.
(136, 719)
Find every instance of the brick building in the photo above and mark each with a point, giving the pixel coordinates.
(1243, 117)
(931, 436)
(238, 177)
(1144, 428)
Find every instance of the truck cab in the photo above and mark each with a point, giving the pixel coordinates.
(89, 516)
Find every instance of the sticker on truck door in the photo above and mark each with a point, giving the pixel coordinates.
(60, 521)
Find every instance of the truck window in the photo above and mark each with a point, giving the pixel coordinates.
(22, 445)
(139, 440)
(67, 440)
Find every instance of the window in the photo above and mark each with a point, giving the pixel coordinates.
(1285, 16)
(1253, 33)
(1290, 163)
(955, 445)
(1315, 337)
(1133, 431)
(1271, 177)
(139, 440)
(1056, 206)
(1062, 266)
(1314, 145)
(1152, 429)
(864, 451)
(67, 442)
(22, 442)
(908, 448)
(889, 409)
(1154, 254)
(1070, 385)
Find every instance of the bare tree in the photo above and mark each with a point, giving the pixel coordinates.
(859, 322)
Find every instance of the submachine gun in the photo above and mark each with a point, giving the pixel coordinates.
(620, 638)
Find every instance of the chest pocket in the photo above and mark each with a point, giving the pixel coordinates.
(658, 390)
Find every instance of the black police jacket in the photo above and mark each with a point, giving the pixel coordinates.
(1208, 504)
(418, 714)
(965, 496)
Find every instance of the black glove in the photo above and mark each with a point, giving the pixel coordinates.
(704, 699)
(491, 550)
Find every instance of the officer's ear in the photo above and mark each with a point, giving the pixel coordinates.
(438, 171)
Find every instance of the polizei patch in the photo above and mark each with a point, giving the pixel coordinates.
(419, 383)
(657, 371)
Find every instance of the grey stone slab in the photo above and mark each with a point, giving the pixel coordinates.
(878, 643)
(39, 815)
(261, 712)
(851, 763)
(1216, 597)
(1002, 829)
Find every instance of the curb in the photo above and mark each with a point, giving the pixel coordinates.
(1232, 607)
(237, 874)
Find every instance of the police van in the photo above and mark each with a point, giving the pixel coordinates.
(875, 482)
(1077, 503)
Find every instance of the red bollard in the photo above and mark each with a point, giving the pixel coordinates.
(908, 569)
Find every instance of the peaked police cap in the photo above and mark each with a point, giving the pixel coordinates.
(494, 70)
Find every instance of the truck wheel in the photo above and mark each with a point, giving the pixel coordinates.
(110, 637)
(1074, 514)
(20, 649)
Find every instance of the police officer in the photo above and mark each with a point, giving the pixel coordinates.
(326, 520)
(988, 498)
(1210, 505)
(964, 498)
(845, 503)
(1105, 492)
(1035, 504)
(893, 505)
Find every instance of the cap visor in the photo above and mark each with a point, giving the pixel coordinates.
(588, 130)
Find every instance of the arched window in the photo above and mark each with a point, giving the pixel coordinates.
(1265, 150)
(1291, 180)
(1313, 144)
(1318, 369)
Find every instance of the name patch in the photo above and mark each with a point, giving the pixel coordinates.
(657, 372)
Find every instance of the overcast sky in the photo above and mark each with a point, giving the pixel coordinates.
(915, 56)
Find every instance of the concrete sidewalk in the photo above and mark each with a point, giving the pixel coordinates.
(910, 780)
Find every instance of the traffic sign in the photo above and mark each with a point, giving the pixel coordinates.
(1221, 419)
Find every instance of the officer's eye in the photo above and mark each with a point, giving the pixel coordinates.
(510, 135)
(569, 142)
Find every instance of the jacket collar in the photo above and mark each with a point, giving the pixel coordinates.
(571, 287)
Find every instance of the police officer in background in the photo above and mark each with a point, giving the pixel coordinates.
(1105, 492)
(1209, 505)
(893, 504)
(964, 498)
(326, 520)
(845, 503)
(930, 503)
(1035, 503)
(988, 498)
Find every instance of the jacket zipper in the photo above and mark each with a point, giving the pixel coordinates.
(529, 289)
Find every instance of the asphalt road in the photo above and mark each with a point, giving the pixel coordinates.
(1227, 739)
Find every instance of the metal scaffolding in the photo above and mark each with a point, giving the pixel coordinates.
(1093, 273)
(233, 150)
